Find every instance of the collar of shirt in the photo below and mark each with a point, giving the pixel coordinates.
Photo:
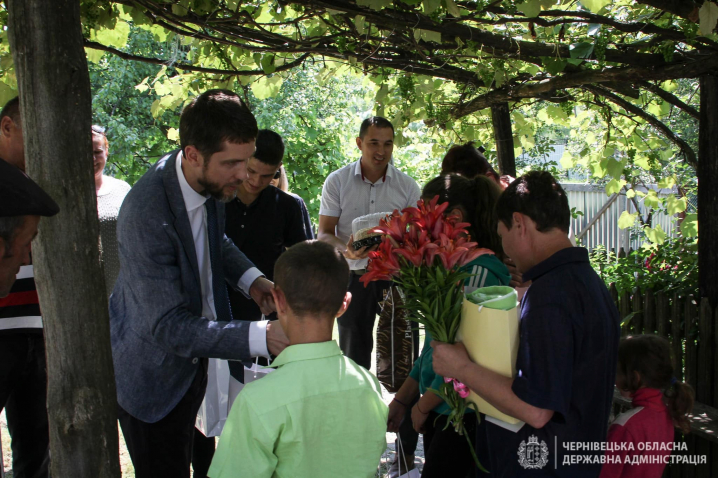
(359, 171)
(650, 398)
(301, 352)
(260, 199)
(562, 257)
(192, 199)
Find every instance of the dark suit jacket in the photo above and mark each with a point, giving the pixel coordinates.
(155, 309)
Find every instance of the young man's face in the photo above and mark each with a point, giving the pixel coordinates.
(223, 172)
(376, 147)
(259, 176)
(16, 254)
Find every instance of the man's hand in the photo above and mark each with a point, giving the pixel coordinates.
(357, 254)
(261, 292)
(516, 277)
(276, 339)
(449, 359)
(396, 415)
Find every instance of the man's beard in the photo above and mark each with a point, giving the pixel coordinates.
(215, 190)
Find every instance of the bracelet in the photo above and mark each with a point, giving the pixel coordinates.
(399, 402)
(419, 408)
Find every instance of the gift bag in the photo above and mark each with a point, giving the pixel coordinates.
(394, 342)
(213, 412)
(251, 374)
(403, 465)
(490, 331)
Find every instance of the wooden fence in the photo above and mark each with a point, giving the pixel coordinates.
(691, 326)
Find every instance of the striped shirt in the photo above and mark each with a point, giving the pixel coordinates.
(348, 195)
(21, 308)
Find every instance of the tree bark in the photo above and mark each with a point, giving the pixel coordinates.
(54, 84)
(501, 119)
(707, 190)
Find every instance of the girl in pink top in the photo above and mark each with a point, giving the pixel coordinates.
(640, 440)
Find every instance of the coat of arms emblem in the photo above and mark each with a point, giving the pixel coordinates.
(533, 455)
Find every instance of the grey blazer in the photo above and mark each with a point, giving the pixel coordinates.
(155, 309)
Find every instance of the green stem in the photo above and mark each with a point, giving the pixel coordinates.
(473, 454)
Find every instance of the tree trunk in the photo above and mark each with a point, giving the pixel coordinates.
(501, 118)
(54, 84)
(707, 190)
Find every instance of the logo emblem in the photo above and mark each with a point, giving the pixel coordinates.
(533, 455)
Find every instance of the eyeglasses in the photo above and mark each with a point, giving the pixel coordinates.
(278, 174)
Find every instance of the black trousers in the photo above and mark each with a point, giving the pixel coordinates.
(203, 449)
(164, 449)
(356, 326)
(23, 394)
(446, 452)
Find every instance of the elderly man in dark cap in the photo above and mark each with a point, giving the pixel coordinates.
(22, 357)
(22, 202)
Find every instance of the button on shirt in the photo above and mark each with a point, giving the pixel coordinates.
(318, 415)
(347, 194)
(194, 203)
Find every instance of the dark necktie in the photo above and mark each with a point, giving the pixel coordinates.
(221, 299)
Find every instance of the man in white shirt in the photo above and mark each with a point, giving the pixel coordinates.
(169, 309)
(370, 185)
(367, 186)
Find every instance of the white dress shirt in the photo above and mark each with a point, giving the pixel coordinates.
(347, 194)
(197, 213)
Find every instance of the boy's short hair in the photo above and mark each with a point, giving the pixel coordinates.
(12, 110)
(314, 277)
(376, 121)
(539, 196)
(270, 147)
(214, 117)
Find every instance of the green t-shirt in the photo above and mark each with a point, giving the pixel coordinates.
(319, 415)
(488, 270)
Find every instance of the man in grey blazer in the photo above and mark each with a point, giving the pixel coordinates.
(169, 309)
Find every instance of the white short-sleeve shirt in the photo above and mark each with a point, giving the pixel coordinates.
(347, 194)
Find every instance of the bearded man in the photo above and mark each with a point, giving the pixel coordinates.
(169, 309)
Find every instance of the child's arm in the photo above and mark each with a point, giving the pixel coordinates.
(397, 408)
(421, 410)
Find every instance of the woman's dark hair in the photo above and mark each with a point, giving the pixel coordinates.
(539, 196)
(645, 361)
(467, 161)
(214, 117)
(477, 197)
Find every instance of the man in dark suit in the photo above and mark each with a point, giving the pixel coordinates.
(169, 309)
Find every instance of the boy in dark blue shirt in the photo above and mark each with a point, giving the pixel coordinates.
(569, 332)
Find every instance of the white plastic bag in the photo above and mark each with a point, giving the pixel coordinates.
(403, 465)
(255, 372)
(213, 412)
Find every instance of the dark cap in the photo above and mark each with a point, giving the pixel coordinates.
(21, 196)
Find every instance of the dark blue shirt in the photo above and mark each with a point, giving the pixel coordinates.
(262, 231)
(568, 347)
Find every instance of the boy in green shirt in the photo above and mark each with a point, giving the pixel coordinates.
(319, 414)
